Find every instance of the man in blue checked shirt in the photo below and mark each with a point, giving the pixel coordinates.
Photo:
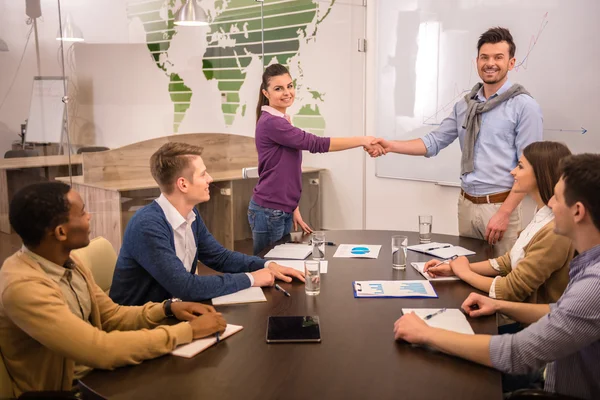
(564, 335)
(494, 123)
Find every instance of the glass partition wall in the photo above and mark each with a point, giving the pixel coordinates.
(98, 87)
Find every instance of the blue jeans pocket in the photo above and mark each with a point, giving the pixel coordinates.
(251, 219)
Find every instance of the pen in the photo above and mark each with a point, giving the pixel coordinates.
(330, 244)
(435, 248)
(218, 338)
(445, 261)
(434, 314)
(282, 290)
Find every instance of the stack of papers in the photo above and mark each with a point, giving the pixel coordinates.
(419, 266)
(393, 289)
(357, 251)
(452, 319)
(191, 349)
(250, 295)
(294, 251)
(299, 265)
(441, 250)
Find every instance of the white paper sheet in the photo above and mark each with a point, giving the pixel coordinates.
(250, 295)
(299, 265)
(357, 251)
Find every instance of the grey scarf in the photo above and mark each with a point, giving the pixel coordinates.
(472, 121)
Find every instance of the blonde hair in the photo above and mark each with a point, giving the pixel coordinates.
(170, 162)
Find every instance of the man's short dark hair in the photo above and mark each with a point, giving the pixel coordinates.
(581, 174)
(37, 209)
(497, 35)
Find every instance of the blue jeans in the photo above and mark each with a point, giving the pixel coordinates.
(268, 225)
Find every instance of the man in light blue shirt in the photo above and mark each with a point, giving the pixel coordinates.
(509, 120)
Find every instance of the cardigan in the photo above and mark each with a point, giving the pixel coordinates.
(543, 273)
(148, 268)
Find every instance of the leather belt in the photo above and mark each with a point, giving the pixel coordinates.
(489, 199)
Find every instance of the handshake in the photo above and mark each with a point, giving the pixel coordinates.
(376, 146)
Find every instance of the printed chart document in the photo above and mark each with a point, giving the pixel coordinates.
(293, 251)
(441, 250)
(250, 295)
(452, 319)
(419, 266)
(197, 346)
(299, 265)
(393, 289)
(357, 251)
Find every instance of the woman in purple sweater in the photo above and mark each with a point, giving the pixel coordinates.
(274, 205)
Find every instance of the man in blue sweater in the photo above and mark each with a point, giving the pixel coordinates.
(165, 239)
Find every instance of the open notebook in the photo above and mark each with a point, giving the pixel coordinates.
(293, 251)
(441, 250)
(452, 319)
(419, 266)
(197, 346)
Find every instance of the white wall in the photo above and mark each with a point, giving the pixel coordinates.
(395, 203)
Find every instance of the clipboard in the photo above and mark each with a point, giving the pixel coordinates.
(394, 289)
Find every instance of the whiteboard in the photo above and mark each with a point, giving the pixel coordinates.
(425, 63)
(46, 111)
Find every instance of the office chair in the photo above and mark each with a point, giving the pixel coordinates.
(250, 172)
(21, 153)
(91, 149)
(100, 257)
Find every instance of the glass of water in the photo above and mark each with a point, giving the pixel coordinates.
(318, 245)
(312, 277)
(425, 222)
(399, 244)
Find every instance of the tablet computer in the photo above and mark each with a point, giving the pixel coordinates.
(293, 329)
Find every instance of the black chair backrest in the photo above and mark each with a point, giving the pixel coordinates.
(21, 153)
(91, 149)
(536, 394)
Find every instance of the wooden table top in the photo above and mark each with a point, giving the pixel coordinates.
(358, 357)
(40, 161)
(122, 185)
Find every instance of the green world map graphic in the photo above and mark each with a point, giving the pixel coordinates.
(233, 42)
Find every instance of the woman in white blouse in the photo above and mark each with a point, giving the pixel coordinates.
(536, 269)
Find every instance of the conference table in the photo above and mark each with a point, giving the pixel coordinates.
(357, 358)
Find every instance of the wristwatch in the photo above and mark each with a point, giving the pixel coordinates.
(167, 306)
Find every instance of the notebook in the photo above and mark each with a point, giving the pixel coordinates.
(250, 295)
(441, 250)
(191, 349)
(416, 289)
(419, 267)
(299, 265)
(452, 319)
(294, 251)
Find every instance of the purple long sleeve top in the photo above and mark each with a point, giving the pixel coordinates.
(279, 145)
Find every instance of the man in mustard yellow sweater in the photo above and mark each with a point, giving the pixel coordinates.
(55, 322)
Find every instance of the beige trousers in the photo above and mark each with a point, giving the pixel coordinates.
(473, 220)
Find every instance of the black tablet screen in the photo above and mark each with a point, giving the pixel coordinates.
(293, 329)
